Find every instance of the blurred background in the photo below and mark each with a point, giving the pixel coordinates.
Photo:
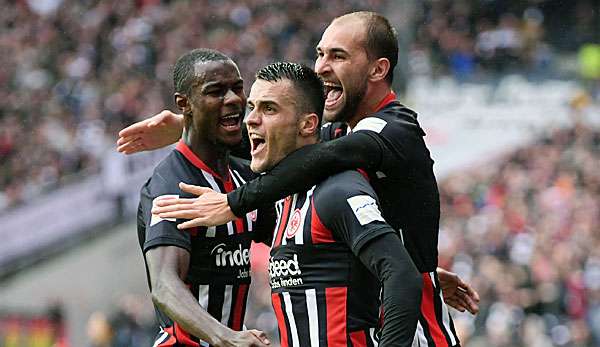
(508, 92)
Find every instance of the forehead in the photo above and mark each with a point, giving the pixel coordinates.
(217, 71)
(346, 34)
(281, 92)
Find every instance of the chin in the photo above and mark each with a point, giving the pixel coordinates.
(257, 167)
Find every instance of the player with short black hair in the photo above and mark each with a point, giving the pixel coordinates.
(332, 253)
(199, 281)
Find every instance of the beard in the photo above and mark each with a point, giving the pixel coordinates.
(353, 98)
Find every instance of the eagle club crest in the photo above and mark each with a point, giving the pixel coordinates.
(294, 224)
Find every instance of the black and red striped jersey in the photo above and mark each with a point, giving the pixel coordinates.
(322, 293)
(406, 186)
(219, 269)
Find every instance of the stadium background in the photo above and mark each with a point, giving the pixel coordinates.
(508, 92)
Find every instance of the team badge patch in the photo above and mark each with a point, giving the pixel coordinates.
(252, 215)
(365, 209)
(294, 225)
(155, 218)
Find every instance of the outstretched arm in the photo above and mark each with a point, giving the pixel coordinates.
(306, 167)
(299, 171)
(167, 266)
(162, 130)
(155, 132)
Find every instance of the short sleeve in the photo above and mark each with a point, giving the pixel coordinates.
(159, 231)
(348, 206)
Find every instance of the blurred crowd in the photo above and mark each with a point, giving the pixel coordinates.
(75, 72)
(477, 40)
(524, 230)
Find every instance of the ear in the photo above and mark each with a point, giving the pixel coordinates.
(183, 104)
(379, 69)
(308, 124)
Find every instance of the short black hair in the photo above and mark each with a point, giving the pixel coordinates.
(183, 72)
(381, 39)
(305, 81)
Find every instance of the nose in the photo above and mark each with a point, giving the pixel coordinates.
(232, 98)
(322, 66)
(252, 119)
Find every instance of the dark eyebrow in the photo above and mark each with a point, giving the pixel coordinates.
(219, 84)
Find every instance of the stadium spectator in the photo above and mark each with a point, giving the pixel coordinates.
(524, 230)
(81, 70)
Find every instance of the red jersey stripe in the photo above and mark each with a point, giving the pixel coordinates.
(319, 232)
(280, 319)
(284, 219)
(228, 185)
(171, 341)
(183, 337)
(335, 302)
(358, 338)
(240, 302)
(428, 311)
(194, 159)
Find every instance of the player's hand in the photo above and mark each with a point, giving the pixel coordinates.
(457, 293)
(155, 132)
(247, 338)
(208, 209)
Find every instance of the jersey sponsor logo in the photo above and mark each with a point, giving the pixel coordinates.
(227, 257)
(292, 228)
(285, 272)
(365, 209)
(155, 219)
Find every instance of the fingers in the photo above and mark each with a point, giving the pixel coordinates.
(135, 128)
(197, 222)
(182, 214)
(130, 145)
(469, 290)
(261, 336)
(162, 204)
(196, 190)
(462, 301)
(455, 304)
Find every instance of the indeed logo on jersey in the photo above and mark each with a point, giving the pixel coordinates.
(282, 272)
(227, 257)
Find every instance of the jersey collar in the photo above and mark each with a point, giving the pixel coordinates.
(196, 161)
(389, 98)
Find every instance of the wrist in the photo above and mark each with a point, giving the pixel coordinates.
(220, 337)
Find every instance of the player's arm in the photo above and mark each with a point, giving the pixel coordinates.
(386, 257)
(162, 130)
(306, 167)
(167, 267)
(299, 171)
(351, 210)
(265, 224)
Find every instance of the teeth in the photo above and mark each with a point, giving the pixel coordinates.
(231, 116)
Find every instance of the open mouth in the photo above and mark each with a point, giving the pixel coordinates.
(231, 122)
(257, 143)
(333, 94)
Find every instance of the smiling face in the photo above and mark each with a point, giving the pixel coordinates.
(216, 102)
(272, 123)
(343, 64)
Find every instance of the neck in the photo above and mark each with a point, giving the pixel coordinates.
(215, 156)
(372, 98)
